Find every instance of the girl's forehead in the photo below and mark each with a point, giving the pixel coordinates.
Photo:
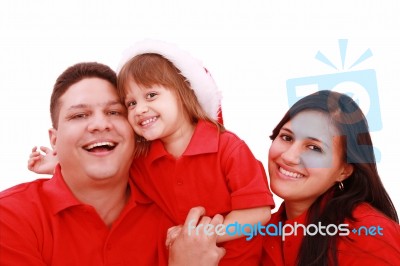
(135, 84)
(131, 86)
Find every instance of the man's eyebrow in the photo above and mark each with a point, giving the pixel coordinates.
(82, 105)
(78, 106)
(114, 103)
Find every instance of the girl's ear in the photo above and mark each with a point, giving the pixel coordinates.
(53, 138)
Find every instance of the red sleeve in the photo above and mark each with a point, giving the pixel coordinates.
(242, 252)
(247, 179)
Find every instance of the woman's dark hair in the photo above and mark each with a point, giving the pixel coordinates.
(363, 185)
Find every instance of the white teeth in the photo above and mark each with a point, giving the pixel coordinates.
(145, 122)
(291, 174)
(98, 144)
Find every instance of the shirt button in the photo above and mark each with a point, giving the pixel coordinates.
(179, 181)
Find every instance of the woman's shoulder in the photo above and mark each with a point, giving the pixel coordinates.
(372, 225)
(372, 238)
(365, 214)
(370, 221)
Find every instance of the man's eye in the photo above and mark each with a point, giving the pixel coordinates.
(79, 116)
(114, 112)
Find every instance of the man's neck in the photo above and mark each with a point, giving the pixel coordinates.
(107, 199)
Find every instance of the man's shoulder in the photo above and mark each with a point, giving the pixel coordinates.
(22, 206)
(23, 190)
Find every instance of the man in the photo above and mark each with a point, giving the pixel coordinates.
(86, 214)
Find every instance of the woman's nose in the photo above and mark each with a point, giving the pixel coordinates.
(292, 155)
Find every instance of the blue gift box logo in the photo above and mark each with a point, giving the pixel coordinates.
(361, 85)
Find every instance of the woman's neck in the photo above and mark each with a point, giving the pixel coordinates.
(295, 209)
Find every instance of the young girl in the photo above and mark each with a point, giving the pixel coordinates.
(184, 157)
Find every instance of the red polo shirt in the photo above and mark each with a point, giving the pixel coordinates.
(361, 247)
(217, 171)
(42, 223)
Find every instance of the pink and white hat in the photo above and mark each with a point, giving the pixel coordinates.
(191, 68)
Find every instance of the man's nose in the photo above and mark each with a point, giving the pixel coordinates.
(99, 122)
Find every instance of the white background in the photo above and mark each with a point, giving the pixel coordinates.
(250, 47)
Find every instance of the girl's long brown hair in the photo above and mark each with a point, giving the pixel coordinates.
(153, 69)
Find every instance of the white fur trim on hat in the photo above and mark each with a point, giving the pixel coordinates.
(192, 69)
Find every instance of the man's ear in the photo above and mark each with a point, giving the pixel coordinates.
(346, 172)
(53, 138)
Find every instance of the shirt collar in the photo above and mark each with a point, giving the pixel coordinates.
(205, 139)
(61, 197)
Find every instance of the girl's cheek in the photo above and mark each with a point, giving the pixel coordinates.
(131, 119)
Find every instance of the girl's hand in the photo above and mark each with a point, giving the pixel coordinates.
(42, 161)
(172, 234)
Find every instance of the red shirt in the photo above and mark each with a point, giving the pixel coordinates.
(42, 223)
(361, 247)
(217, 171)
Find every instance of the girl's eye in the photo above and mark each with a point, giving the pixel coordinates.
(131, 104)
(151, 95)
(315, 148)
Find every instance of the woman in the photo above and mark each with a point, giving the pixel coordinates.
(335, 210)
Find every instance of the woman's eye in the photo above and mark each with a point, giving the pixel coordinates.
(315, 148)
(286, 137)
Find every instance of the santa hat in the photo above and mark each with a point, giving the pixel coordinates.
(190, 68)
